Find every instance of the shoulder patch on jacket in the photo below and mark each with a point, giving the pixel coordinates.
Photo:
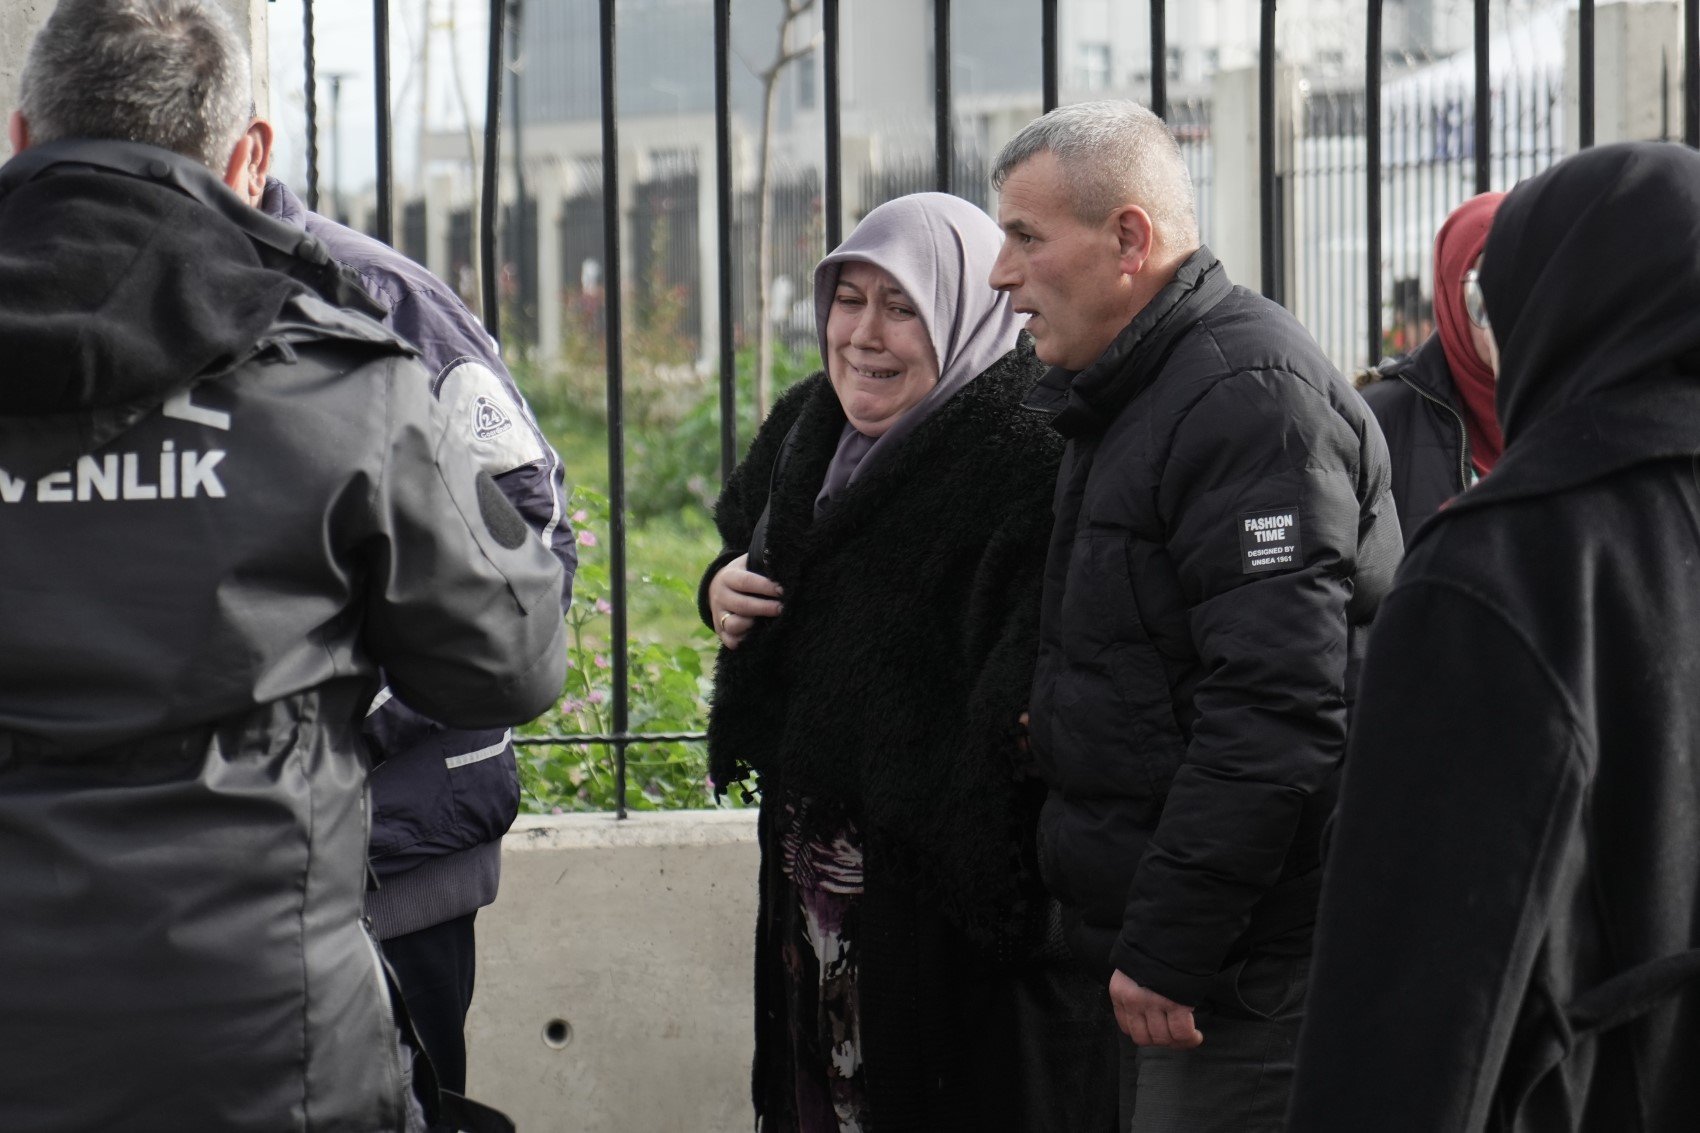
(1269, 540)
(489, 418)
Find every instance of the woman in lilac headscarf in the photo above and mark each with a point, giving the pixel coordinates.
(877, 600)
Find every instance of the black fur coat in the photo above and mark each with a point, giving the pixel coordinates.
(891, 687)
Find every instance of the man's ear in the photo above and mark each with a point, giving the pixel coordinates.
(18, 131)
(1135, 237)
(250, 161)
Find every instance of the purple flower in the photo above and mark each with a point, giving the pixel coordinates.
(580, 515)
(596, 696)
(600, 660)
(587, 538)
(602, 606)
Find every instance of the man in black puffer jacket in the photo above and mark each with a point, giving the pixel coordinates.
(1224, 528)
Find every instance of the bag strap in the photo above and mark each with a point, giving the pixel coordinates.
(757, 555)
(1555, 1031)
(1629, 995)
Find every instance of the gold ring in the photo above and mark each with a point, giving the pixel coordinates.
(723, 618)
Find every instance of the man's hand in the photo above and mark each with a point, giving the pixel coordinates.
(1150, 1019)
(738, 596)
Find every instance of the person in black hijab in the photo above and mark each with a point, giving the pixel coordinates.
(1509, 921)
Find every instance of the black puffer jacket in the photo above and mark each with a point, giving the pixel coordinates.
(1224, 529)
(1509, 931)
(1416, 402)
(890, 687)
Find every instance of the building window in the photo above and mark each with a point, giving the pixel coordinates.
(1176, 57)
(1094, 66)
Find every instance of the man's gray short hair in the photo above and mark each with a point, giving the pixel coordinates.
(1113, 153)
(171, 73)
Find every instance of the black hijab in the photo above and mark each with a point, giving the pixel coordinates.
(1592, 278)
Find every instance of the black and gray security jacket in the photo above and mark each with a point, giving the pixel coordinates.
(443, 797)
(224, 504)
(1224, 530)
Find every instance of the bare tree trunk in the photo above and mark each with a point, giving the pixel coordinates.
(764, 249)
(476, 301)
(419, 162)
(782, 59)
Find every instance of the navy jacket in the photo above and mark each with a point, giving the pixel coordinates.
(442, 798)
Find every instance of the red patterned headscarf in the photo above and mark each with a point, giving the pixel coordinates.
(1456, 249)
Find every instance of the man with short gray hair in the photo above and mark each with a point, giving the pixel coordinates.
(228, 499)
(1224, 530)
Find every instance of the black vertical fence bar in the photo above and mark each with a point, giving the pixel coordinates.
(310, 83)
(834, 173)
(723, 222)
(1585, 74)
(1159, 60)
(1269, 227)
(1483, 97)
(944, 138)
(1372, 176)
(1048, 51)
(618, 647)
(381, 98)
(492, 174)
(1691, 72)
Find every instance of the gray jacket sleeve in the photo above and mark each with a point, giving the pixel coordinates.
(463, 607)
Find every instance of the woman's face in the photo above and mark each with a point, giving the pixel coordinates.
(1481, 337)
(878, 354)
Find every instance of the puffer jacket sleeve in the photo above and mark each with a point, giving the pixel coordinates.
(745, 492)
(1261, 451)
(462, 598)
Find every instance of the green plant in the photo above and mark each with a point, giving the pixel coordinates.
(678, 468)
(668, 687)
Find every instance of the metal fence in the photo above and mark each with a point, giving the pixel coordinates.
(1426, 154)
(1427, 135)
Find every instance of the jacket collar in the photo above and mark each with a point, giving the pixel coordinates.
(1657, 418)
(1426, 369)
(1086, 401)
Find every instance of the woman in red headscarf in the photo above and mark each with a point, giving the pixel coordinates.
(1435, 404)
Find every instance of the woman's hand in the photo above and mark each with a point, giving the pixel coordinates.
(737, 597)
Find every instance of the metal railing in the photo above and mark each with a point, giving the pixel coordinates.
(504, 16)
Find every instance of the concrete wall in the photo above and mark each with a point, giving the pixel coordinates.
(1637, 53)
(614, 975)
(21, 19)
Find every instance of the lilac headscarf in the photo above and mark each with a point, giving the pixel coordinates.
(940, 250)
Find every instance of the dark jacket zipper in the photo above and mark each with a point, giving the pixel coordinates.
(1464, 480)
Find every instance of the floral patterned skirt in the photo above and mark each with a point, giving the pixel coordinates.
(817, 910)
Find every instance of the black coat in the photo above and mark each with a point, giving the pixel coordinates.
(1516, 864)
(1415, 400)
(891, 687)
(1223, 529)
